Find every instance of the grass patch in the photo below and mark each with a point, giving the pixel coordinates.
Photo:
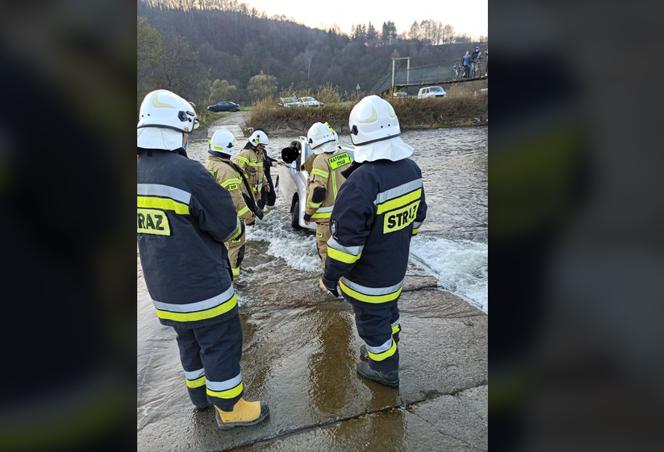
(413, 113)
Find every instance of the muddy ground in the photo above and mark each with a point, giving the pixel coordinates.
(299, 354)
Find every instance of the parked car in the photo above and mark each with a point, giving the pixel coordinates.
(431, 91)
(310, 102)
(289, 102)
(292, 179)
(224, 105)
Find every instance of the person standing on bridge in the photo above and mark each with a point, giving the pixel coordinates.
(325, 180)
(475, 61)
(231, 177)
(379, 208)
(183, 219)
(466, 64)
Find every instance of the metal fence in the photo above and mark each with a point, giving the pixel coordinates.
(433, 73)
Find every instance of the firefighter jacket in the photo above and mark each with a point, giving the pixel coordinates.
(379, 207)
(183, 218)
(325, 180)
(222, 169)
(251, 162)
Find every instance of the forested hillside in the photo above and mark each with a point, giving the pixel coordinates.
(210, 49)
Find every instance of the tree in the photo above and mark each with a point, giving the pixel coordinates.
(221, 90)
(372, 34)
(182, 71)
(359, 33)
(389, 32)
(262, 86)
(448, 33)
(414, 32)
(149, 55)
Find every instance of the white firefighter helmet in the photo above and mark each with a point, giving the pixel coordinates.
(374, 130)
(224, 142)
(322, 138)
(259, 137)
(163, 120)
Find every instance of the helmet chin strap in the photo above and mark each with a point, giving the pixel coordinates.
(374, 141)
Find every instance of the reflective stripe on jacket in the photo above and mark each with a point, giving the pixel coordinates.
(228, 178)
(326, 174)
(251, 162)
(183, 219)
(378, 209)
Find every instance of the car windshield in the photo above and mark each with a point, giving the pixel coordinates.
(308, 98)
(436, 89)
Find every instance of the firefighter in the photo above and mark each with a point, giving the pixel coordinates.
(325, 179)
(379, 208)
(222, 148)
(251, 161)
(183, 219)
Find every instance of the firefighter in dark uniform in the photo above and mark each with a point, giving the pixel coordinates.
(183, 219)
(379, 208)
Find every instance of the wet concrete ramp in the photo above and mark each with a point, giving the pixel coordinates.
(299, 354)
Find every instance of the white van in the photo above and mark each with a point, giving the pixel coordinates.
(431, 91)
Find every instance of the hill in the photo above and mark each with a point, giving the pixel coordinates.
(186, 45)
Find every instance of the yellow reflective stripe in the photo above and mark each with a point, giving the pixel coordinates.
(230, 181)
(197, 383)
(237, 233)
(199, 315)
(228, 394)
(243, 211)
(384, 355)
(320, 172)
(342, 256)
(163, 204)
(367, 298)
(415, 231)
(246, 161)
(315, 205)
(322, 215)
(400, 201)
(236, 271)
(396, 329)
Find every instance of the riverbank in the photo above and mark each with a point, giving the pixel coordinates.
(413, 113)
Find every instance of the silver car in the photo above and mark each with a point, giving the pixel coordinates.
(293, 179)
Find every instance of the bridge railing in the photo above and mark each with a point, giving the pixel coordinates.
(433, 73)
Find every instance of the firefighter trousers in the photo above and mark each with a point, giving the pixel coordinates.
(378, 326)
(236, 254)
(322, 236)
(210, 357)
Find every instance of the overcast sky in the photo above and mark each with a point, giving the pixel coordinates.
(466, 16)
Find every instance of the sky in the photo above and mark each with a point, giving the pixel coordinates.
(466, 16)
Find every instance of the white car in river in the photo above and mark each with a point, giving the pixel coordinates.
(292, 180)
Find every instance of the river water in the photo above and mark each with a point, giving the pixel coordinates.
(452, 244)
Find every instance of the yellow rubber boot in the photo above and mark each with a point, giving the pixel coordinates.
(244, 413)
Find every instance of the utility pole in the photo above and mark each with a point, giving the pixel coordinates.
(394, 60)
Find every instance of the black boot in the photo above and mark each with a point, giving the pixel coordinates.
(201, 407)
(390, 379)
